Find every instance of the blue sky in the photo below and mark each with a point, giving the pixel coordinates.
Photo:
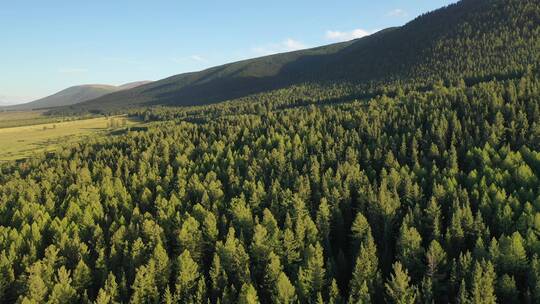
(49, 45)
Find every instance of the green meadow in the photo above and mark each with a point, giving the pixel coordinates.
(23, 141)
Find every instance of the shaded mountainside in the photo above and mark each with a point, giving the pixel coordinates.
(471, 40)
(74, 95)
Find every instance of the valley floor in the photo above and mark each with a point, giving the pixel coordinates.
(23, 141)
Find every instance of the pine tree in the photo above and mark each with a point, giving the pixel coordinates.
(260, 250)
(144, 286)
(82, 277)
(432, 221)
(534, 279)
(483, 284)
(7, 274)
(398, 288)
(361, 232)
(272, 271)
(410, 250)
(186, 277)
(366, 275)
(36, 289)
(426, 290)
(108, 294)
(323, 224)
(463, 296)
(218, 278)
(435, 268)
(62, 291)
(190, 238)
(284, 291)
(312, 275)
(334, 296)
(162, 267)
(507, 291)
(167, 297)
(512, 254)
(248, 295)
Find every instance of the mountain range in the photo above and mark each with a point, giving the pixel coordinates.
(74, 95)
(469, 41)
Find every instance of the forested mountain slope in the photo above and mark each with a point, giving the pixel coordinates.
(471, 40)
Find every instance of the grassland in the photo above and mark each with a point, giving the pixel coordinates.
(23, 141)
(10, 119)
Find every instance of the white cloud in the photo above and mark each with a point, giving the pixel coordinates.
(397, 13)
(293, 45)
(197, 58)
(287, 45)
(72, 70)
(346, 36)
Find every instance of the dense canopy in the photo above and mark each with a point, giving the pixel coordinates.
(426, 195)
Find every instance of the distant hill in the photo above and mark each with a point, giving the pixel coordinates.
(8, 100)
(471, 40)
(132, 85)
(4, 103)
(74, 95)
